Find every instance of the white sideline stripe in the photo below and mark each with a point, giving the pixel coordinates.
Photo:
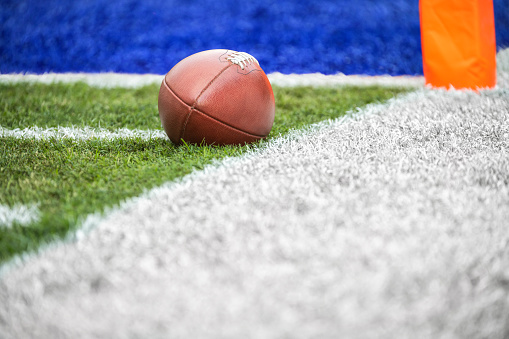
(322, 80)
(80, 133)
(107, 80)
(503, 62)
(21, 214)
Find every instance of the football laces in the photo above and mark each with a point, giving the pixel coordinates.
(241, 58)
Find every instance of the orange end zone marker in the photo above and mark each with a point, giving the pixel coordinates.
(458, 43)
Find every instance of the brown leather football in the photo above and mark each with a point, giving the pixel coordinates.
(216, 97)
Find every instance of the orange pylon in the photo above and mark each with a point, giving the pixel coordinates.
(458, 43)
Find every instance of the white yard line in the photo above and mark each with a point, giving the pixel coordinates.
(80, 133)
(19, 214)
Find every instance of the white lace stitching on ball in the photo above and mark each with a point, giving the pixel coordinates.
(241, 58)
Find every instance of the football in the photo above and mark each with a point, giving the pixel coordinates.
(216, 97)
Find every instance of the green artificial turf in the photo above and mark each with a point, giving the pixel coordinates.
(23, 105)
(69, 179)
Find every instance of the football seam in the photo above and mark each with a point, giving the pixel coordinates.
(229, 126)
(193, 106)
(210, 83)
(207, 115)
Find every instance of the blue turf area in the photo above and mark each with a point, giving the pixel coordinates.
(150, 36)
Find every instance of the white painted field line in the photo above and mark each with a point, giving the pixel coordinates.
(322, 80)
(19, 214)
(93, 79)
(278, 79)
(81, 133)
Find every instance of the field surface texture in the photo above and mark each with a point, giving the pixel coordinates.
(388, 223)
(70, 150)
(358, 218)
(288, 36)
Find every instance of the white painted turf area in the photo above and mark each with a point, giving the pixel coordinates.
(81, 133)
(390, 223)
(20, 214)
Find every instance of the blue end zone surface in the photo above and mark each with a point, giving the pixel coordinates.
(290, 36)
